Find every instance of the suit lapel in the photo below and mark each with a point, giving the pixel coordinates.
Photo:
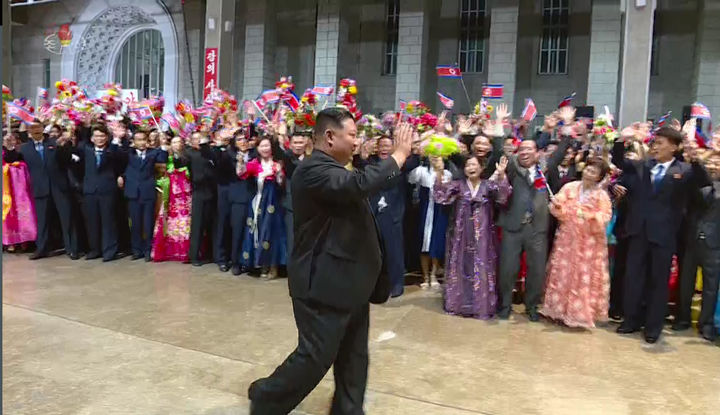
(668, 177)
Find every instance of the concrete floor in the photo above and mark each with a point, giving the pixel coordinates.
(134, 338)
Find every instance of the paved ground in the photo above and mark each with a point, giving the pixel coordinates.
(131, 338)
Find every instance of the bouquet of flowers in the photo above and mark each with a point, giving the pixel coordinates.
(440, 145)
(347, 96)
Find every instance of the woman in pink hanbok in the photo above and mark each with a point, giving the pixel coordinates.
(18, 211)
(578, 281)
(172, 226)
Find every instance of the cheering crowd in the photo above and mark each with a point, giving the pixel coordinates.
(576, 219)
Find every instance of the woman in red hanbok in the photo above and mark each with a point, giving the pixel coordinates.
(578, 281)
(18, 210)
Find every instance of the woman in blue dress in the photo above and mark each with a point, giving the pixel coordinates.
(265, 242)
(433, 219)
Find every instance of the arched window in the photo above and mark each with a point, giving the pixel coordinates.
(141, 63)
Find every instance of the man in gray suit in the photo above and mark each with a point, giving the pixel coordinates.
(526, 220)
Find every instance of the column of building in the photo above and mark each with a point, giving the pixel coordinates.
(412, 49)
(259, 48)
(502, 44)
(706, 80)
(326, 42)
(605, 38)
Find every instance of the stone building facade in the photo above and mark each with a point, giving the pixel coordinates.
(639, 60)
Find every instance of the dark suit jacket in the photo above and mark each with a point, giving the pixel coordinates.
(240, 190)
(657, 216)
(140, 174)
(337, 258)
(393, 190)
(290, 163)
(50, 171)
(524, 194)
(202, 172)
(556, 182)
(102, 179)
(709, 219)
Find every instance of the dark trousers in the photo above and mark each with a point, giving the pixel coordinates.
(289, 232)
(646, 282)
(689, 262)
(122, 210)
(223, 228)
(238, 218)
(45, 207)
(78, 220)
(709, 260)
(101, 225)
(617, 282)
(202, 225)
(142, 221)
(326, 336)
(535, 246)
(394, 248)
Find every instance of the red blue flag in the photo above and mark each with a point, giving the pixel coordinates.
(699, 110)
(492, 91)
(140, 113)
(291, 100)
(703, 141)
(663, 120)
(448, 71)
(567, 100)
(446, 100)
(530, 110)
(20, 113)
(323, 90)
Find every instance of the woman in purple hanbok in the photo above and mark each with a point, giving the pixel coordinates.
(472, 243)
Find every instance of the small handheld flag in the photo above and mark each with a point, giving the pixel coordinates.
(446, 100)
(663, 120)
(291, 100)
(699, 110)
(567, 100)
(19, 113)
(448, 71)
(702, 140)
(323, 90)
(140, 113)
(492, 91)
(530, 110)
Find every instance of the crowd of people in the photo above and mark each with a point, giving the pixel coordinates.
(580, 222)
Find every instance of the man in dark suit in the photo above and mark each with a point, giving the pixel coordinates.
(656, 204)
(525, 223)
(139, 183)
(334, 270)
(706, 247)
(104, 163)
(204, 196)
(241, 191)
(291, 159)
(388, 206)
(48, 165)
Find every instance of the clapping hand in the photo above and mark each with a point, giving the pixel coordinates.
(502, 112)
(567, 114)
(501, 166)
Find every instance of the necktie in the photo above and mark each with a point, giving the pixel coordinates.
(98, 157)
(41, 150)
(657, 178)
(142, 156)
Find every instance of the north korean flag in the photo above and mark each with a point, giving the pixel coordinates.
(20, 113)
(446, 100)
(566, 101)
(699, 110)
(291, 100)
(267, 97)
(323, 90)
(448, 71)
(492, 91)
(141, 113)
(530, 111)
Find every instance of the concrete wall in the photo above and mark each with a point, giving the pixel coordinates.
(548, 90)
(676, 25)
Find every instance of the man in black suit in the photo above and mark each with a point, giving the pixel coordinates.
(139, 183)
(656, 204)
(334, 270)
(241, 191)
(104, 163)
(48, 165)
(706, 246)
(526, 221)
(291, 158)
(204, 196)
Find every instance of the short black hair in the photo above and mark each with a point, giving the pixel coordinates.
(141, 131)
(330, 118)
(673, 135)
(100, 127)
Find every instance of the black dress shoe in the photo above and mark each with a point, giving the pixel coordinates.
(38, 255)
(533, 316)
(680, 326)
(708, 333)
(223, 267)
(119, 255)
(197, 263)
(651, 339)
(91, 256)
(148, 258)
(504, 314)
(74, 256)
(626, 329)
(135, 257)
(236, 270)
